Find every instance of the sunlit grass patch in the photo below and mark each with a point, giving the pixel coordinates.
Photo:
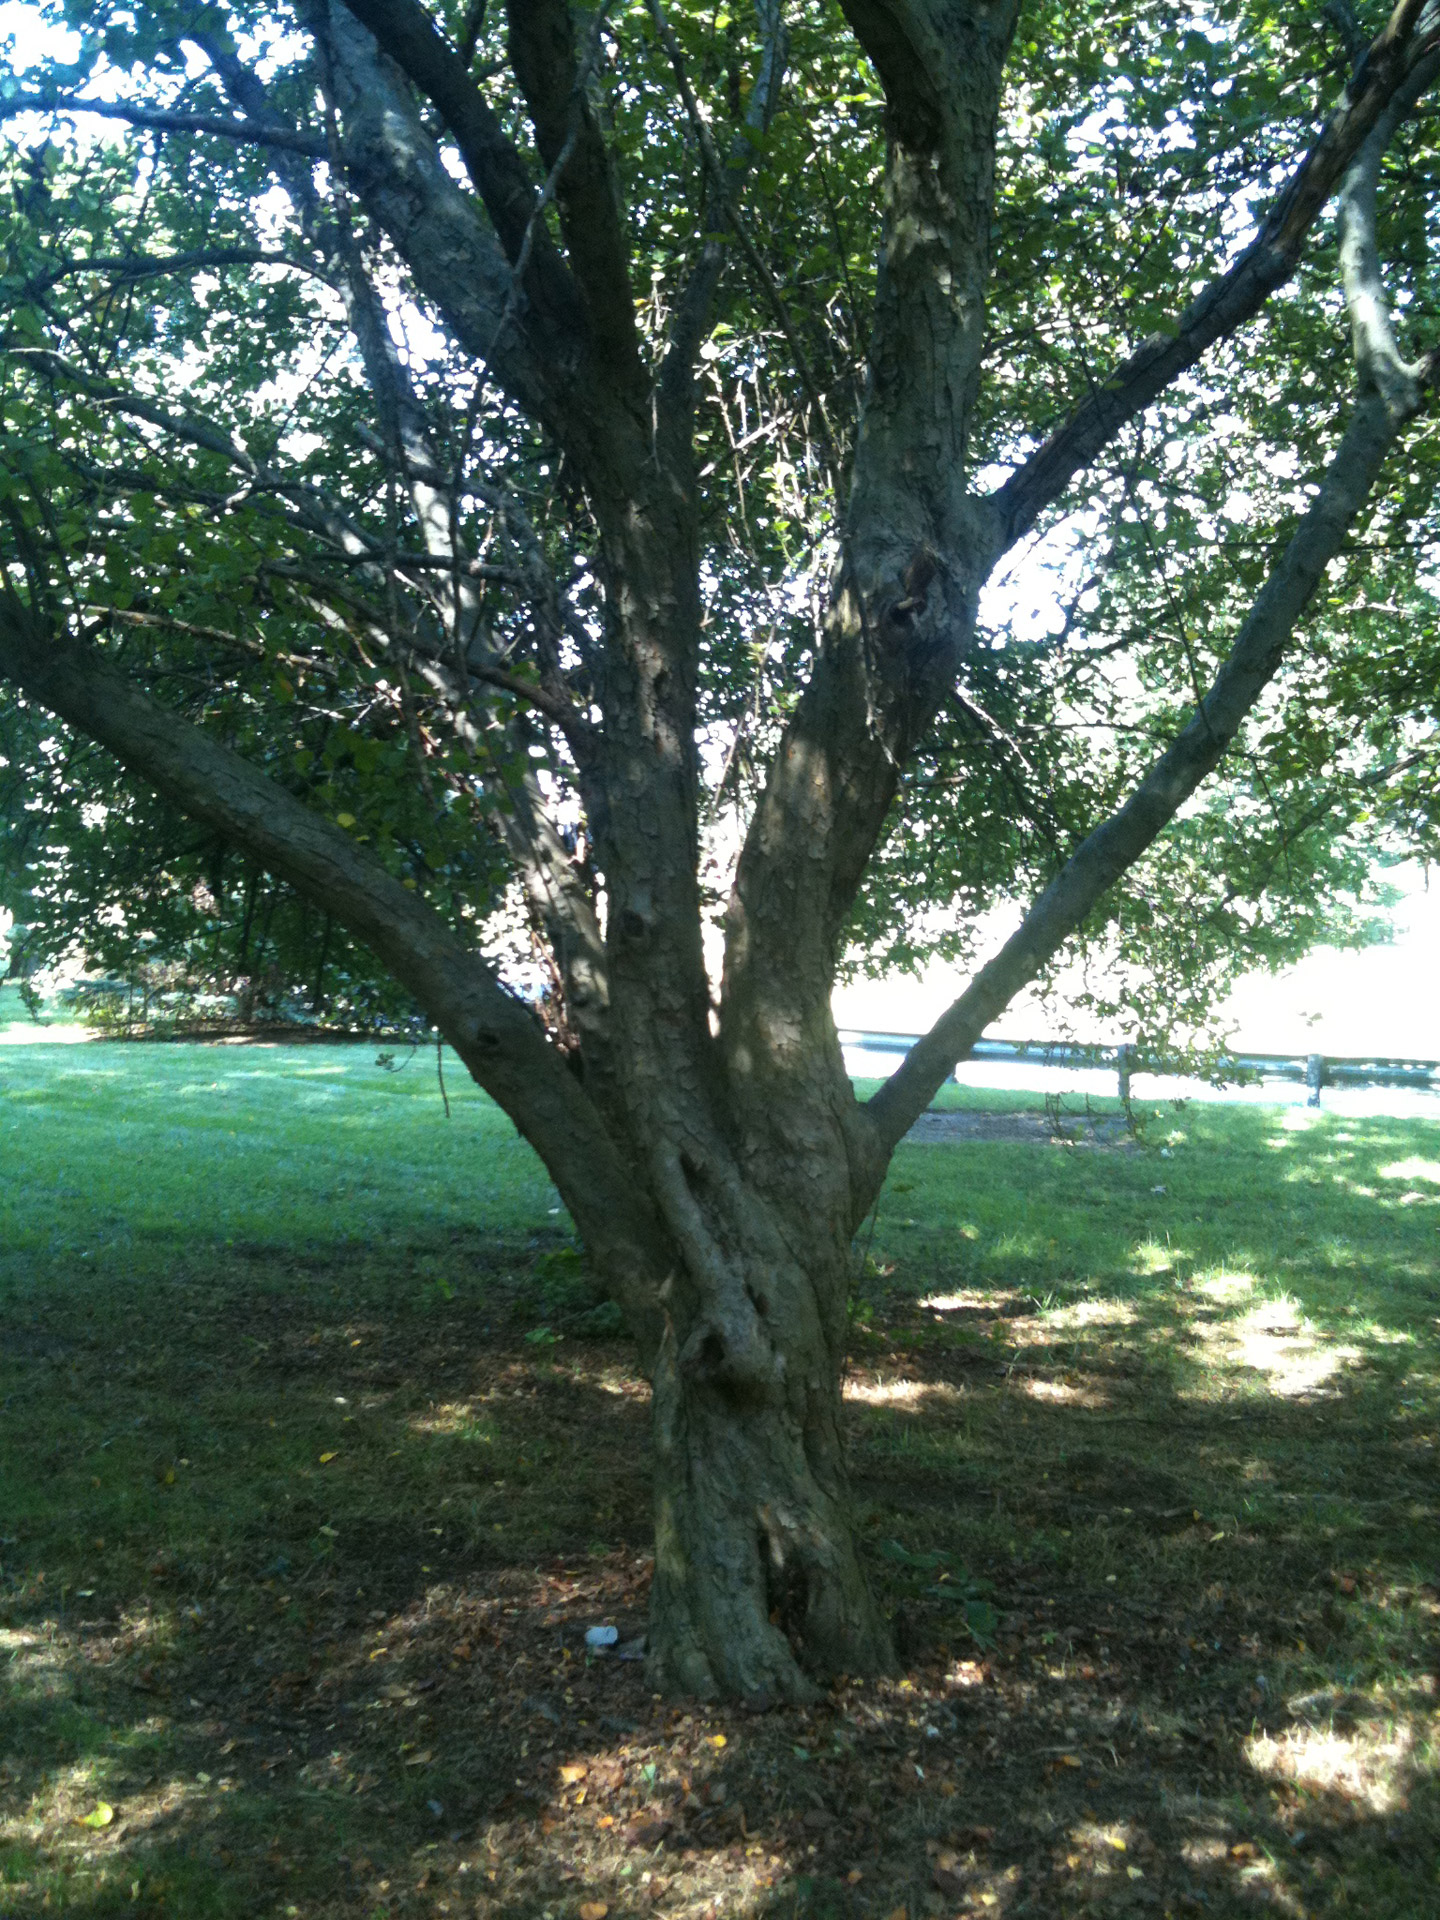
(1368, 1751)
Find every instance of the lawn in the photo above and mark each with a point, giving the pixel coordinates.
(318, 1457)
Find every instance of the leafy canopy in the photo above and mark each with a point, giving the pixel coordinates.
(194, 473)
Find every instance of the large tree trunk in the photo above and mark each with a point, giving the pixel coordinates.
(759, 1593)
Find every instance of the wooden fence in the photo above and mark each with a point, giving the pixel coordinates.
(1312, 1070)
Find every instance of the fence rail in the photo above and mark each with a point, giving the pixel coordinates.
(1312, 1070)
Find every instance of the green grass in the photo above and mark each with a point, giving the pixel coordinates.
(315, 1461)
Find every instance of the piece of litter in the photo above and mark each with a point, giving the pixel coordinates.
(1158, 1189)
(601, 1636)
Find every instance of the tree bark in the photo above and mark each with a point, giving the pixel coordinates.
(759, 1593)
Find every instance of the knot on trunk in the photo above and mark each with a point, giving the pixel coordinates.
(902, 615)
(734, 1358)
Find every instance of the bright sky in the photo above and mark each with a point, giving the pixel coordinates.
(33, 39)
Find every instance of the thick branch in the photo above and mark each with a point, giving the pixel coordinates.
(915, 551)
(554, 78)
(902, 44)
(1377, 353)
(1118, 842)
(538, 349)
(406, 33)
(1238, 295)
(495, 1034)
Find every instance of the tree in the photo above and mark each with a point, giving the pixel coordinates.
(458, 457)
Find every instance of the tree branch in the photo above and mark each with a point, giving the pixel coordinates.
(494, 1033)
(1236, 296)
(157, 120)
(540, 355)
(555, 79)
(1377, 354)
(1114, 846)
(404, 31)
(135, 267)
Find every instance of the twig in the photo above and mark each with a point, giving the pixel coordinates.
(158, 121)
(716, 170)
(440, 1069)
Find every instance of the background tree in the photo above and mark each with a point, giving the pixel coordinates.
(462, 460)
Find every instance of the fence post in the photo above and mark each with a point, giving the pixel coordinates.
(1125, 1065)
(1314, 1077)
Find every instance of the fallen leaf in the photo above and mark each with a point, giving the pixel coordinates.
(101, 1817)
(326, 1458)
(647, 1833)
(1243, 1850)
(715, 1740)
(1116, 1842)
(854, 1877)
(594, 1909)
(573, 1772)
(899, 1913)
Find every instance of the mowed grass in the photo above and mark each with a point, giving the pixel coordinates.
(317, 1458)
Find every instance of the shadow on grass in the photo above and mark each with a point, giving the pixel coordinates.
(299, 1554)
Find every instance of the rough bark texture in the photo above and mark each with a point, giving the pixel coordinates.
(715, 1160)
